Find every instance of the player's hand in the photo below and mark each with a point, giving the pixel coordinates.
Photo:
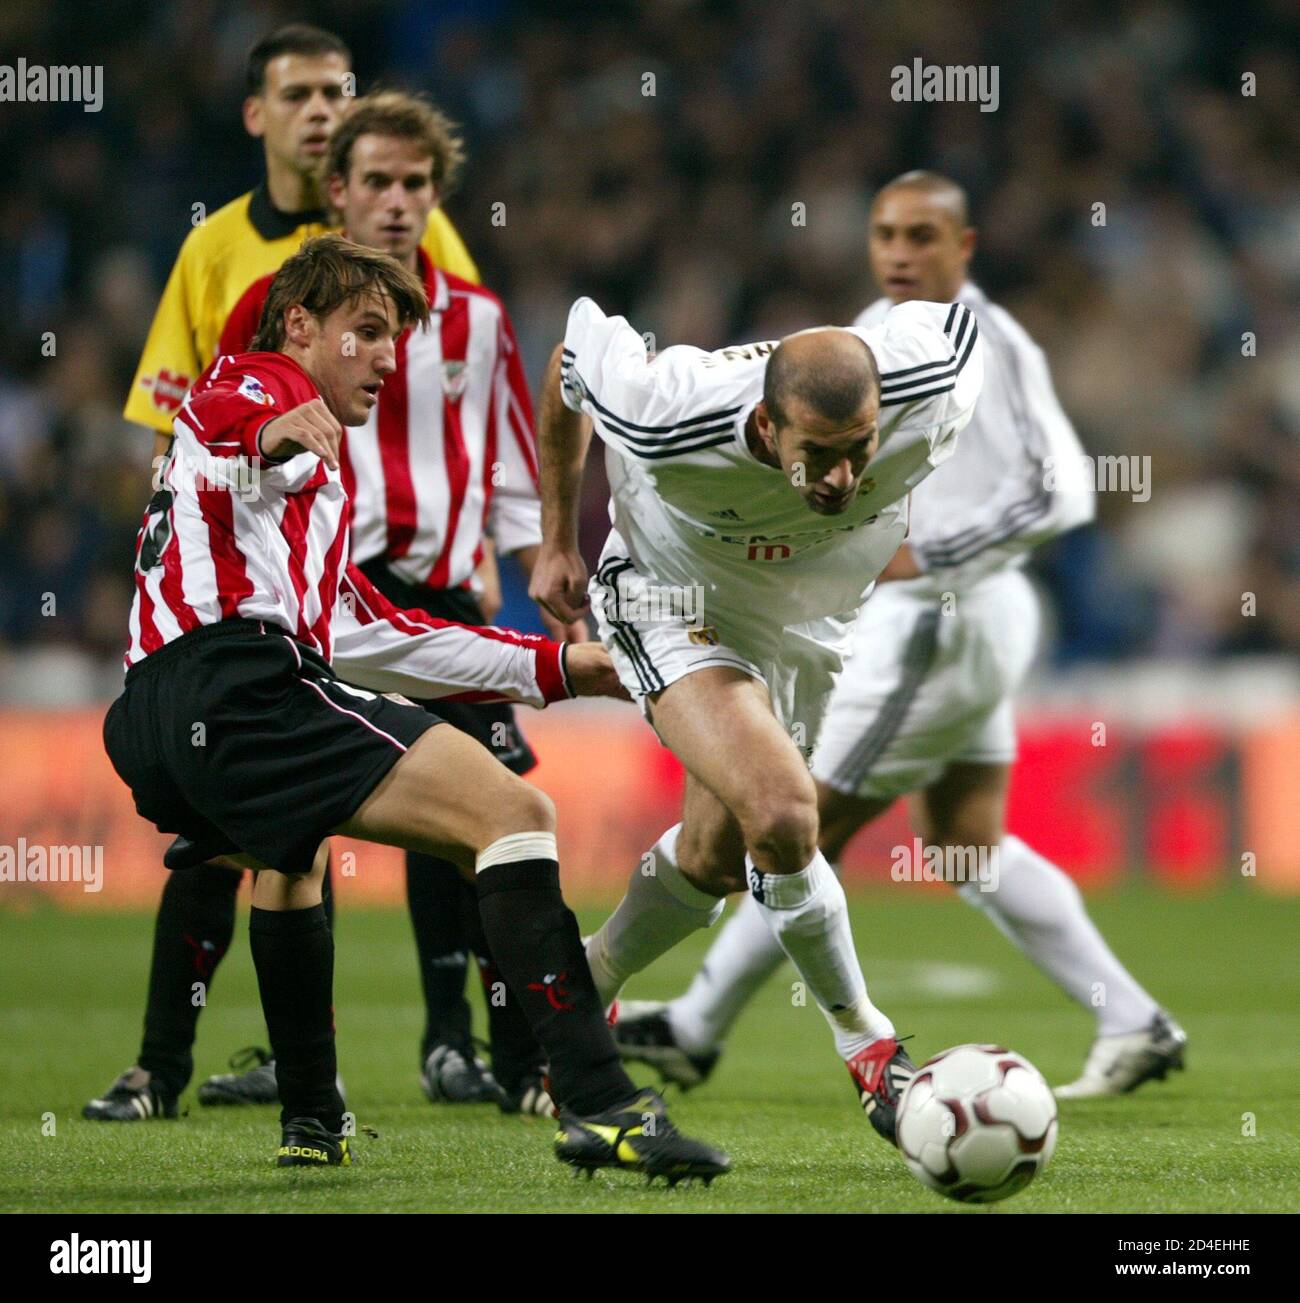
(559, 583)
(309, 427)
(592, 673)
(558, 631)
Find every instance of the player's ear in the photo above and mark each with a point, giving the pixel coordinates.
(298, 322)
(969, 238)
(254, 122)
(337, 187)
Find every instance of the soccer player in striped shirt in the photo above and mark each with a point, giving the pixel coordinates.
(925, 704)
(756, 494)
(235, 729)
(446, 457)
(297, 81)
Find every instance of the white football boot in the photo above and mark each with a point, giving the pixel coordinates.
(1119, 1064)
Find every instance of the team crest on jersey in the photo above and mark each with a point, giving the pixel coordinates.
(251, 388)
(705, 637)
(455, 377)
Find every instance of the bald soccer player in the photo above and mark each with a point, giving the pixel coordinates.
(925, 705)
(756, 494)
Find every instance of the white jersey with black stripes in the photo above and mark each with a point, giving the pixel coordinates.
(1011, 483)
(696, 508)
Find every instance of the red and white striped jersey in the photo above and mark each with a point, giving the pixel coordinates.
(449, 452)
(230, 535)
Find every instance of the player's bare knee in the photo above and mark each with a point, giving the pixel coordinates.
(710, 863)
(522, 808)
(783, 831)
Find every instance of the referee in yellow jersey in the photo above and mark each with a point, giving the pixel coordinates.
(299, 83)
(299, 88)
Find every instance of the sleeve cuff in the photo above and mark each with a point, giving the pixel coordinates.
(552, 671)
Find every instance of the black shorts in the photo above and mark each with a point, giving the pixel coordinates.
(493, 723)
(242, 739)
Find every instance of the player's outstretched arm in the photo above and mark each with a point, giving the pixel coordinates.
(378, 646)
(559, 578)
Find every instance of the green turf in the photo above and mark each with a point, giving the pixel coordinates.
(71, 987)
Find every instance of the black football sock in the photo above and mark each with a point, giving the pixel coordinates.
(196, 919)
(515, 1051)
(534, 938)
(293, 952)
(434, 889)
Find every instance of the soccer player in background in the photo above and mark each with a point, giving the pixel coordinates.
(925, 704)
(235, 730)
(297, 82)
(448, 452)
(756, 494)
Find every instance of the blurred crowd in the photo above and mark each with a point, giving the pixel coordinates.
(706, 169)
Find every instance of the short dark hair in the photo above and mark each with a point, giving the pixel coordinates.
(328, 272)
(834, 385)
(292, 38)
(408, 117)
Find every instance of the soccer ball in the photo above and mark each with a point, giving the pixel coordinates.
(976, 1123)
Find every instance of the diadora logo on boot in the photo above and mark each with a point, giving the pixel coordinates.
(303, 1151)
(755, 883)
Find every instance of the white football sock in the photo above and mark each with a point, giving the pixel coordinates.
(659, 910)
(1039, 908)
(808, 915)
(742, 958)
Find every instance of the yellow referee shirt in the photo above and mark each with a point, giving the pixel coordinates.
(238, 244)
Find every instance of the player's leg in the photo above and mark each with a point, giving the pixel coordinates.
(251, 1079)
(448, 931)
(450, 1071)
(756, 808)
(447, 796)
(192, 931)
(293, 954)
(518, 1061)
(1041, 911)
(683, 1038)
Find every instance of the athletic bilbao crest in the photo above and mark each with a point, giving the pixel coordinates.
(251, 388)
(454, 379)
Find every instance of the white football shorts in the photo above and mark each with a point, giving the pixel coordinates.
(930, 681)
(655, 637)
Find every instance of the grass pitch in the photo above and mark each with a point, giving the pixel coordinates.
(1221, 1137)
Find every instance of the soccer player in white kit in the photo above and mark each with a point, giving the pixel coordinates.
(756, 494)
(925, 703)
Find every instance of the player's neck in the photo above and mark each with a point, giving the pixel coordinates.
(290, 190)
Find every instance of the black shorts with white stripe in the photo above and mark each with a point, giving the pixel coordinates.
(236, 735)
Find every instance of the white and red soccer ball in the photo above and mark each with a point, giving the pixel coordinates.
(977, 1123)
